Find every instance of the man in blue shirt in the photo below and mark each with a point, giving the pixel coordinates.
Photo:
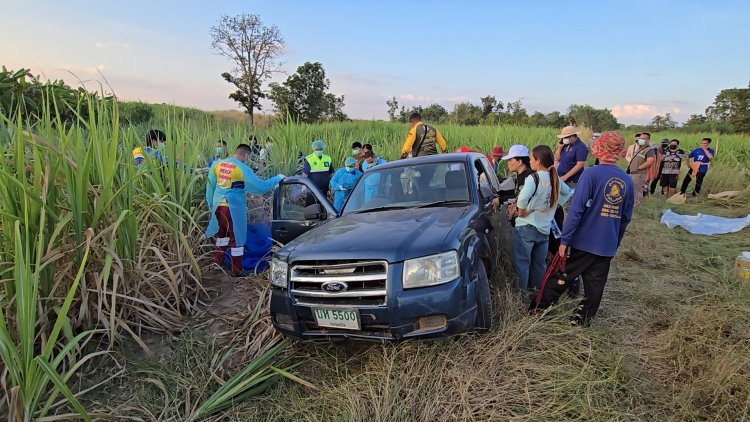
(570, 156)
(599, 213)
(700, 157)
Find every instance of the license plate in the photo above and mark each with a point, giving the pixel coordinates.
(347, 319)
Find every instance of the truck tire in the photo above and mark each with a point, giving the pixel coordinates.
(484, 299)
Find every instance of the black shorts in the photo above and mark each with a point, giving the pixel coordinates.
(669, 180)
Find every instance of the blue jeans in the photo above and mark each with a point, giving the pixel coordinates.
(529, 254)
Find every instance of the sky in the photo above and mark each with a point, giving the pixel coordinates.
(638, 58)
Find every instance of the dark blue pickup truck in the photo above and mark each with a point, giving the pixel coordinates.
(407, 257)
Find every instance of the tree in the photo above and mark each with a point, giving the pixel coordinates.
(392, 108)
(254, 48)
(595, 118)
(488, 105)
(467, 114)
(303, 96)
(732, 106)
(665, 122)
(514, 114)
(434, 112)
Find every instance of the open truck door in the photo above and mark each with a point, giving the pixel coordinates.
(298, 207)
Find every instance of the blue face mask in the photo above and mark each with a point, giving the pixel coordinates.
(319, 153)
(218, 150)
(356, 151)
(350, 169)
(161, 145)
(371, 164)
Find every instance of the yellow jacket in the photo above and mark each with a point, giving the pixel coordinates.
(412, 136)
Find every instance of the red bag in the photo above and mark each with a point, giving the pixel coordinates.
(554, 284)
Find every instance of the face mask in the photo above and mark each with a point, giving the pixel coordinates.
(161, 146)
(673, 147)
(356, 151)
(641, 142)
(371, 164)
(350, 169)
(566, 141)
(268, 145)
(218, 150)
(319, 153)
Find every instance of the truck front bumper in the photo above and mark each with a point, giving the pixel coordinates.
(422, 313)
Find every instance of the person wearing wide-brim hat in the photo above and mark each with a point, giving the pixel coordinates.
(570, 156)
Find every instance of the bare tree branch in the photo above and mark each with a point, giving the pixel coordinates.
(254, 49)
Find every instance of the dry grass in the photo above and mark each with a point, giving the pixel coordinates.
(670, 343)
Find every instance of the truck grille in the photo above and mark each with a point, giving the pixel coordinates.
(366, 281)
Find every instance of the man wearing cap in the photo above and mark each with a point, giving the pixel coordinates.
(570, 156)
(319, 167)
(599, 213)
(343, 182)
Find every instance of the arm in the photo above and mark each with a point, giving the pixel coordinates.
(576, 210)
(257, 186)
(524, 196)
(564, 193)
(558, 151)
(627, 215)
(305, 167)
(441, 141)
(648, 163)
(409, 142)
(210, 185)
(708, 154)
(576, 168)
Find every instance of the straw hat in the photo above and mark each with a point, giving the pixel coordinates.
(568, 131)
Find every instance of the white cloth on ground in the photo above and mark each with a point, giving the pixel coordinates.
(704, 224)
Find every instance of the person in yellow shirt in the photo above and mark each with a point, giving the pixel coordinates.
(423, 139)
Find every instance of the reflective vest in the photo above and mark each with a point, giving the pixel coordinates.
(139, 155)
(228, 176)
(322, 164)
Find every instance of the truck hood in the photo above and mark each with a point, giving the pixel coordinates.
(393, 235)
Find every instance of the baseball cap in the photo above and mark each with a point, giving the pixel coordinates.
(516, 151)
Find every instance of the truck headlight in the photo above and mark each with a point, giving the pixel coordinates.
(279, 273)
(430, 270)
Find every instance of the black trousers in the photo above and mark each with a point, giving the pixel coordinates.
(688, 179)
(594, 270)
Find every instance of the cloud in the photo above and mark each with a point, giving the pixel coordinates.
(637, 111)
(412, 97)
(112, 45)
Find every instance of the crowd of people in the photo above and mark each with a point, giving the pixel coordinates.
(556, 205)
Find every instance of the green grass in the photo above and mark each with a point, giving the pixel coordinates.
(112, 248)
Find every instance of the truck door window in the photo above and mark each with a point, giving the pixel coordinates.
(294, 198)
(485, 187)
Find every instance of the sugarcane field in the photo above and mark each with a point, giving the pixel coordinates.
(345, 211)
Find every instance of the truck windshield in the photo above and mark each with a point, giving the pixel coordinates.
(410, 187)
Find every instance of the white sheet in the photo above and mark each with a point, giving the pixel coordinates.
(704, 224)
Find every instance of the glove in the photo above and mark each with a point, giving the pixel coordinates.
(281, 176)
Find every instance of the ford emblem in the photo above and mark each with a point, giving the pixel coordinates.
(334, 286)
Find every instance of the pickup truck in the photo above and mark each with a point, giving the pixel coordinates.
(407, 257)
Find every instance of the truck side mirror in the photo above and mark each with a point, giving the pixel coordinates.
(314, 212)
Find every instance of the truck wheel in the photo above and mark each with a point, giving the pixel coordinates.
(484, 299)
